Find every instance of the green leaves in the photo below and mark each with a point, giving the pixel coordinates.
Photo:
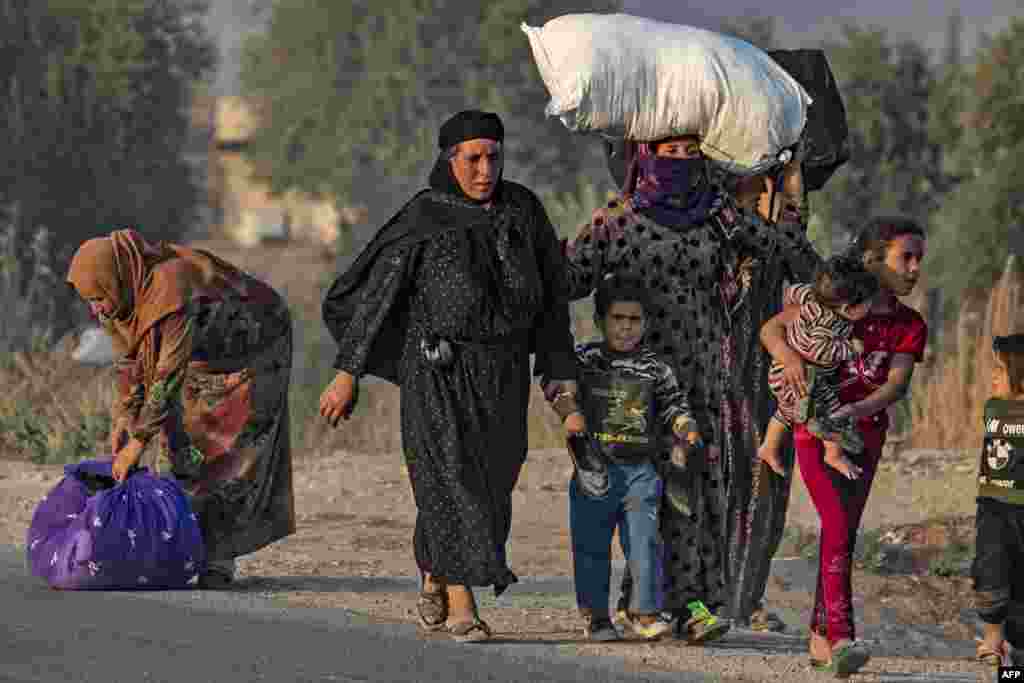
(354, 92)
(95, 114)
(893, 168)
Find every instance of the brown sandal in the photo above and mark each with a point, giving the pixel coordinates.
(475, 631)
(432, 607)
(766, 622)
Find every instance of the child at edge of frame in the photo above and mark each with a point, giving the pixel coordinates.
(627, 395)
(999, 543)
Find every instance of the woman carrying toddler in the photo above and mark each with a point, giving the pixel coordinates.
(822, 334)
(894, 337)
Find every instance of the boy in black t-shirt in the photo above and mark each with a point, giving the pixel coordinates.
(629, 398)
(999, 555)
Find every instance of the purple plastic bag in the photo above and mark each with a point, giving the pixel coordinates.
(91, 533)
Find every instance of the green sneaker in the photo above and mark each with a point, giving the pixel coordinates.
(703, 626)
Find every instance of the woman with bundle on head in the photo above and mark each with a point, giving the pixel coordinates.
(204, 362)
(448, 302)
(755, 500)
(710, 266)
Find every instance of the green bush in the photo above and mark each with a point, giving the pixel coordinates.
(47, 441)
(870, 553)
(952, 560)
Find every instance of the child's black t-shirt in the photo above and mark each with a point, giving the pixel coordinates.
(629, 400)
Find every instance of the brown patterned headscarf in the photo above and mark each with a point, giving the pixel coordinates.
(144, 282)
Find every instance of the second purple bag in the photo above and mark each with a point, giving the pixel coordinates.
(91, 533)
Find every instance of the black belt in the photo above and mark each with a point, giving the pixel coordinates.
(438, 350)
(507, 341)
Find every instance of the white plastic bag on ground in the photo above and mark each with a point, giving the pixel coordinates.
(94, 348)
(645, 80)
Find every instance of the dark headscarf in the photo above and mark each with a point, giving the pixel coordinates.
(671, 192)
(431, 212)
(1012, 343)
(466, 125)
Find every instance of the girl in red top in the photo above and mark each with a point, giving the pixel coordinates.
(894, 337)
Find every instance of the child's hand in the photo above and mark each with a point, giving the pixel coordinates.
(684, 428)
(685, 431)
(858, 346)
(575, 424)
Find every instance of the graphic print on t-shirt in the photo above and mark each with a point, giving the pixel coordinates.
(997, 453)
(886, 335)
(621, 408)
(1001, 469)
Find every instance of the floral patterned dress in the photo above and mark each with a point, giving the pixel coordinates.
(209, 386)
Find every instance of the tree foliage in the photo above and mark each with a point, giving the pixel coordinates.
(94, 116)
(352, 94)
(978, 119)
(894, 165)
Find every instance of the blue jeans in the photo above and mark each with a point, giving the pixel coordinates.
(632, 503)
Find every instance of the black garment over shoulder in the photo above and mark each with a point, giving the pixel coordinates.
(490, 281)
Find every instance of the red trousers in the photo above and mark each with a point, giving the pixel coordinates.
(840, 504)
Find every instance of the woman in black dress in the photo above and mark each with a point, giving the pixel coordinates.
(448, 301)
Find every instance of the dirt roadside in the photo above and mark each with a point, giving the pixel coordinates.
(353, 551)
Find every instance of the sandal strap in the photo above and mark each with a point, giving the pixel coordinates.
(432, 607)
(464, 628)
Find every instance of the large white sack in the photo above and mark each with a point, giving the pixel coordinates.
(645, 80)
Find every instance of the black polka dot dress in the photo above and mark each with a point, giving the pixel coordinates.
(494, 291)
(699, 278)
(681, 269)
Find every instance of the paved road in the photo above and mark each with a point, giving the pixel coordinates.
(80, 637)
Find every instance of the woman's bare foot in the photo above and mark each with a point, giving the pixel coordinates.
(770, 456)
(819, 648)
(992, 648)
(843, 465)
(461, 604)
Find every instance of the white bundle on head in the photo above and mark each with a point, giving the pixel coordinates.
(645, 80)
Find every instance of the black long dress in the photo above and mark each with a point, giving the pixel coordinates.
(491, 281)
(756, 498)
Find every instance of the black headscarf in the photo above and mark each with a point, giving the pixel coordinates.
(443, 207)
(471, 124)
(1012, 343)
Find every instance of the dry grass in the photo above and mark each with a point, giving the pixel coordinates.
(53, 409)
(948, 398)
